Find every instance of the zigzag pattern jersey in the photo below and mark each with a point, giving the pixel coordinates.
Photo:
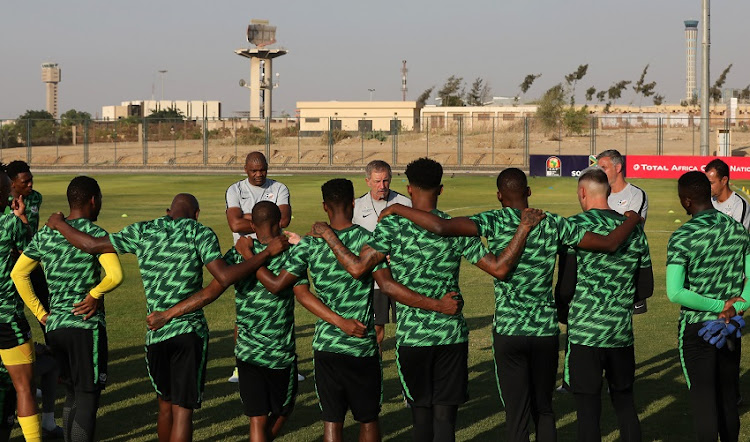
(12, 240)
(712, 247)
(33, 204)
(348, 297)
(70, 274)
(171, 255)
(601, 314)
(265, 321)
(427, 264)
(524, 301)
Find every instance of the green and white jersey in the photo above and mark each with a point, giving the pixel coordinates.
(429, 265)
(601, 314)
(13, 239)
(348, 297)
(265, 322)
(712, 247)
(171, 255)
(524, 301)
(33, 205)
(70, 274)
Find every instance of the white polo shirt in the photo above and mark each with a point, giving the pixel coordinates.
(244, 195)
(735, 206)
(630, 198)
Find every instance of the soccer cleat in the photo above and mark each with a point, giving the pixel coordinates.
(235, 376)
(55, 433)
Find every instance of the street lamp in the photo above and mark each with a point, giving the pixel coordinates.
(371, 91)
(161, 74)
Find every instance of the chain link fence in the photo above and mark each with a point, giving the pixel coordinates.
(458, 141)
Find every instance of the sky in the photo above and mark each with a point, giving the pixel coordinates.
(111, 51)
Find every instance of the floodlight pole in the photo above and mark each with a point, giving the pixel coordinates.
(161, 73)
(706, 39)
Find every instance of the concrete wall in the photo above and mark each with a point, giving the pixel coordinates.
(315, 115)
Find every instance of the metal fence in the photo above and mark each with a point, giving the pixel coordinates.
(456, 141)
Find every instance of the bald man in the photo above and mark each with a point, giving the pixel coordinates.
(171, 252)
(244, 194)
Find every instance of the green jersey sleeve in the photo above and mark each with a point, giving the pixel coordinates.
(568, 233)
(473, 248)
(34, 249)
(298, 259)
(128, 239)
(677, 252)
(385, 233)
(485, 222)
(207, 243)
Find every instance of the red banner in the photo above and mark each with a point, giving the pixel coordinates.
(652, 166)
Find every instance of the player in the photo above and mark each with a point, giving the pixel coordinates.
(723, 198)
(603, 288)
(525, 346)
(624, 196)
(16, 347)
(367, 209)
(75, 323)
(707, 260)
(244, 194)
(171, 252)
(429, 342)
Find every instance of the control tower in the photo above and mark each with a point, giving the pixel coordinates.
(51, 76)
(691, 50)
(260, 34)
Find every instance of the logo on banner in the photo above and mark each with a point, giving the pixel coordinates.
(592, 161)
(554, 166)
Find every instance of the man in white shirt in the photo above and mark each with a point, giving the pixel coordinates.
(244, 194)
(723, 197)
(624, 196)
(367, 208)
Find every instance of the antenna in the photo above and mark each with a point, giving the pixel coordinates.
(403, 80)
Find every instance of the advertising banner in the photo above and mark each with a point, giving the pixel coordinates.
(652, 166)
(559, 165)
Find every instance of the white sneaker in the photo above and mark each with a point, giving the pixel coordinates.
(300, 377)
(235, 376)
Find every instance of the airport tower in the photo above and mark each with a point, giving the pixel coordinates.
(51, 76)
(691, 52)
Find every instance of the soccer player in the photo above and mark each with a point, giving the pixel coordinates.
(367, 209)
(171, 252)
(75, 323)
(603, 288)
(525, 346)
(242, 196)
(723, 198)
(707, 260)
(431, 346)
(624, 196)
(16, 347)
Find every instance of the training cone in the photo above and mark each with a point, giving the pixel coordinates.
(677, 221)
(124, 215)
(671, 211)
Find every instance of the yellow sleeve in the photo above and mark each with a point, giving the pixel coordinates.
(21, 278)
(113, 275)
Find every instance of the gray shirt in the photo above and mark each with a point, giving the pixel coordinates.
(735, 206)
(630, 198)
(244, 195)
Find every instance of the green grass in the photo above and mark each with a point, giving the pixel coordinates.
(128, 407)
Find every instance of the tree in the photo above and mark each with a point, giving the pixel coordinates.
(715, 91)
(526, 84)
(73, 116)
(615, 92)
(645, 89)
(550, 107)
(452, 92)
(170, 113)
(590, 93)
(658, 100)
(572, 79)
(479, 94)
(601, 96)
(745, 93)
(40, 125)
(424, 96)
(36, 115)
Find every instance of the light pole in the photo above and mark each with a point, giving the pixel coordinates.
(705, 114)
(161, 74)
(371, 91)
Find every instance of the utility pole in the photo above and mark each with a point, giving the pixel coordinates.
(705, 119)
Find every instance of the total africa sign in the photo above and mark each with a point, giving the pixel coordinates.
(650, 166)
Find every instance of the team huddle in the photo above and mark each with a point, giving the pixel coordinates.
(382, 257)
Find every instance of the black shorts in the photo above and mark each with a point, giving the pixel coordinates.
(436, 375)
(14, 333)
(177, 368)
(265, 391)
(81, 356)
(584, 367)
(381, 303)
(348, 382)
(7, 402)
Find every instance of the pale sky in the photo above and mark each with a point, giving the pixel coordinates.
(111, 51)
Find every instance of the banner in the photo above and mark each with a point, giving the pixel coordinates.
(651, 166)
(559, 165)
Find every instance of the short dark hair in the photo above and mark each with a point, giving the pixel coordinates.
(597, 176)
(512, 180)
(15, 167)
(424, 173)
(695, 185)
(81, 189)
(721, 168)
(338, 192)
(266, 212)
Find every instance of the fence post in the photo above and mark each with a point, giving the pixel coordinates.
(592, 148)
(330, 141)
(493, 139)
(394, 141)
(114, 139)
(28, 141)
(85, 142)
(205, 140)
(268, 138)
(526, 141)
(460, 140)
(145, 141)
(427, 126)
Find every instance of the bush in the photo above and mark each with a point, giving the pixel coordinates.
(335, 136)
(575, 121)
(375, 135)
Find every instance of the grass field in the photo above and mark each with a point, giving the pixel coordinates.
(128, 407)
